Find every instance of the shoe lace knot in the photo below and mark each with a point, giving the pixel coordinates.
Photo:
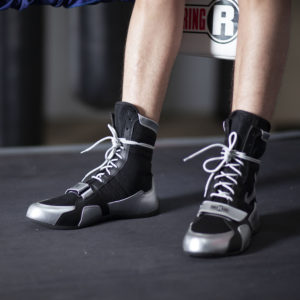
(112, 154)
(230, 161)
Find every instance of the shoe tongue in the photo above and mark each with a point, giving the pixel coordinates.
(121, 114)
(247, 126)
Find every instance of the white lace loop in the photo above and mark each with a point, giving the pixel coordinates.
(112, 155)
(229, 158)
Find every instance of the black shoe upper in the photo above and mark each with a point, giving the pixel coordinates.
(132, 171)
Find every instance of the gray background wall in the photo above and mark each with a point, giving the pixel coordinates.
(192, 86)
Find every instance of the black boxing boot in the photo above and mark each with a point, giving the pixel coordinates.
(121, 187)
(228, 216)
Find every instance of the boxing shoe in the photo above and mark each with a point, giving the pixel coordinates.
(228, 216)
(121, 187)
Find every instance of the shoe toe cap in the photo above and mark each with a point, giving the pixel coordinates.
(206, 244)
(47, 214)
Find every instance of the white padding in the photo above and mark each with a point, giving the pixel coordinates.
(210, 28)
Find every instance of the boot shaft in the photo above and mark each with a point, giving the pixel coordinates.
(131, 125)
(252, 131)
(133, 171)
(252, 135)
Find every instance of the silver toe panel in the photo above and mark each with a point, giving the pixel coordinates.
(48, 214)
(206, 244)
(213, 244)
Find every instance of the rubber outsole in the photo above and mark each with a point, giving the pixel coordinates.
(102, 220)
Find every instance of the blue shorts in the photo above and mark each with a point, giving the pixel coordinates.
(21, 4)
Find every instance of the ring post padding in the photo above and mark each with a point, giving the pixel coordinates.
(210, 28)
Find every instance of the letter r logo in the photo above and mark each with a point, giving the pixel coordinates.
(223, 23)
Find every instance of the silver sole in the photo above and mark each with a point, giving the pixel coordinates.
(141, 204)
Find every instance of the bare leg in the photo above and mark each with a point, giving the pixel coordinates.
(153, 41)
(261, 55)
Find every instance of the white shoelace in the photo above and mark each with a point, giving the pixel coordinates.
(112, 155)
(229, 158)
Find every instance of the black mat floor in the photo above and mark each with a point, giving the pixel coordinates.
(143, 258)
